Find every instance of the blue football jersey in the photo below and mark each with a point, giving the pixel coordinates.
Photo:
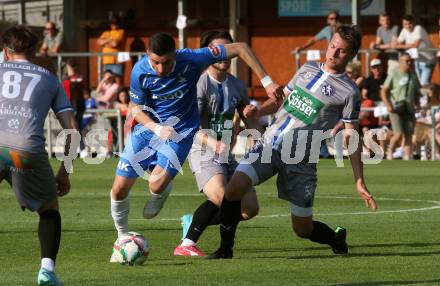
(175, 95)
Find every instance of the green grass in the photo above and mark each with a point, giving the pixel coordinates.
(392, 247)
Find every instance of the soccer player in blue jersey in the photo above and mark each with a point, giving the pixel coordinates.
(28, 92)
(164, 104)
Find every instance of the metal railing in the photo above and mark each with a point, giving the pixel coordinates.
(434, 110)
(363, 52)
(117, 112)
(98, 55)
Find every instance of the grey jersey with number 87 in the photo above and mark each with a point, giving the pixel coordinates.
(27, 91)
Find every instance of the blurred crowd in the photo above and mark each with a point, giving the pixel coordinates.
(397, 96)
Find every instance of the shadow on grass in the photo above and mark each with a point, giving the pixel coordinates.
(377, 283)
(352, 255)
(377, 245)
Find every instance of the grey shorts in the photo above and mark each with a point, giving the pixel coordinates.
(204, 170)
(296, 183)
(30, 176)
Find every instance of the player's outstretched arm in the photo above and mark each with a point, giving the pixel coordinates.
(215, 145)
(271, 106)
(67, 121)
(243, 51)
(358, 170)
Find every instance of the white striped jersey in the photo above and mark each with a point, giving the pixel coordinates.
(317, 101)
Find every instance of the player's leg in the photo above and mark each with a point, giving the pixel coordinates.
(132, 164)
(249, 205)
(297, 184)
(160, 187)
(35, 188)
(230, 211)
(319, 232)
(246, 175)
(49, 234)
(120, 202)
(169, 159)
(204, 215)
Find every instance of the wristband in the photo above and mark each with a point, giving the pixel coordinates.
(265, 81)
(157, 129)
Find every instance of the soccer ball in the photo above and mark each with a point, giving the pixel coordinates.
(131, 249)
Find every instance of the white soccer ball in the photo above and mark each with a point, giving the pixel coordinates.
(131, 249)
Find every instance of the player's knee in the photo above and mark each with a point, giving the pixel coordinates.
(158, 187)
(53, 205)
(250, 212)
(119, 192)
(232, 192)
(217, 198)
(301, 230)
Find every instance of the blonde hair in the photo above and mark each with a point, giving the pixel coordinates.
(355, 66)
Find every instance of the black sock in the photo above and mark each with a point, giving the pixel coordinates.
(216, 219)
(201, 219)
(49, 233)
(230, 217)
(322, 233)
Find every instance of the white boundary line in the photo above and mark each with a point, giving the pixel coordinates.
(436, 206)
(435, 203)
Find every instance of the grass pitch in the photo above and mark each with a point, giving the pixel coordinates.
(399, 245)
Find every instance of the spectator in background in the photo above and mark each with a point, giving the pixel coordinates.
(370, 88)
(353, 71)
(326, 32)
(108, 89)
(386, 38)
(112, 41)
(438, 53)
(53, 39)
(73, 85)
(416, 37)
(89, 103)
(399, 93)
(123, 101)
(87, 119)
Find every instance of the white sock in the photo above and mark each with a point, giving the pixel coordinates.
(120, 210)
(187, 242)
(48, 264)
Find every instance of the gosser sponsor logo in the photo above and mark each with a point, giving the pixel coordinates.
(302, 105)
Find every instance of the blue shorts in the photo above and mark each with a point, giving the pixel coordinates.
(145, 150)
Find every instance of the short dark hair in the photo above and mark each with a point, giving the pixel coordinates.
(352, 35)
(161, 44)
(207, 37)
(71, 62)
(19, 39)
(115, 20)
(408, 18)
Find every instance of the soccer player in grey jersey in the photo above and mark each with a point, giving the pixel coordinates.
(315, 99)
(219, 95)
(28, 92)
